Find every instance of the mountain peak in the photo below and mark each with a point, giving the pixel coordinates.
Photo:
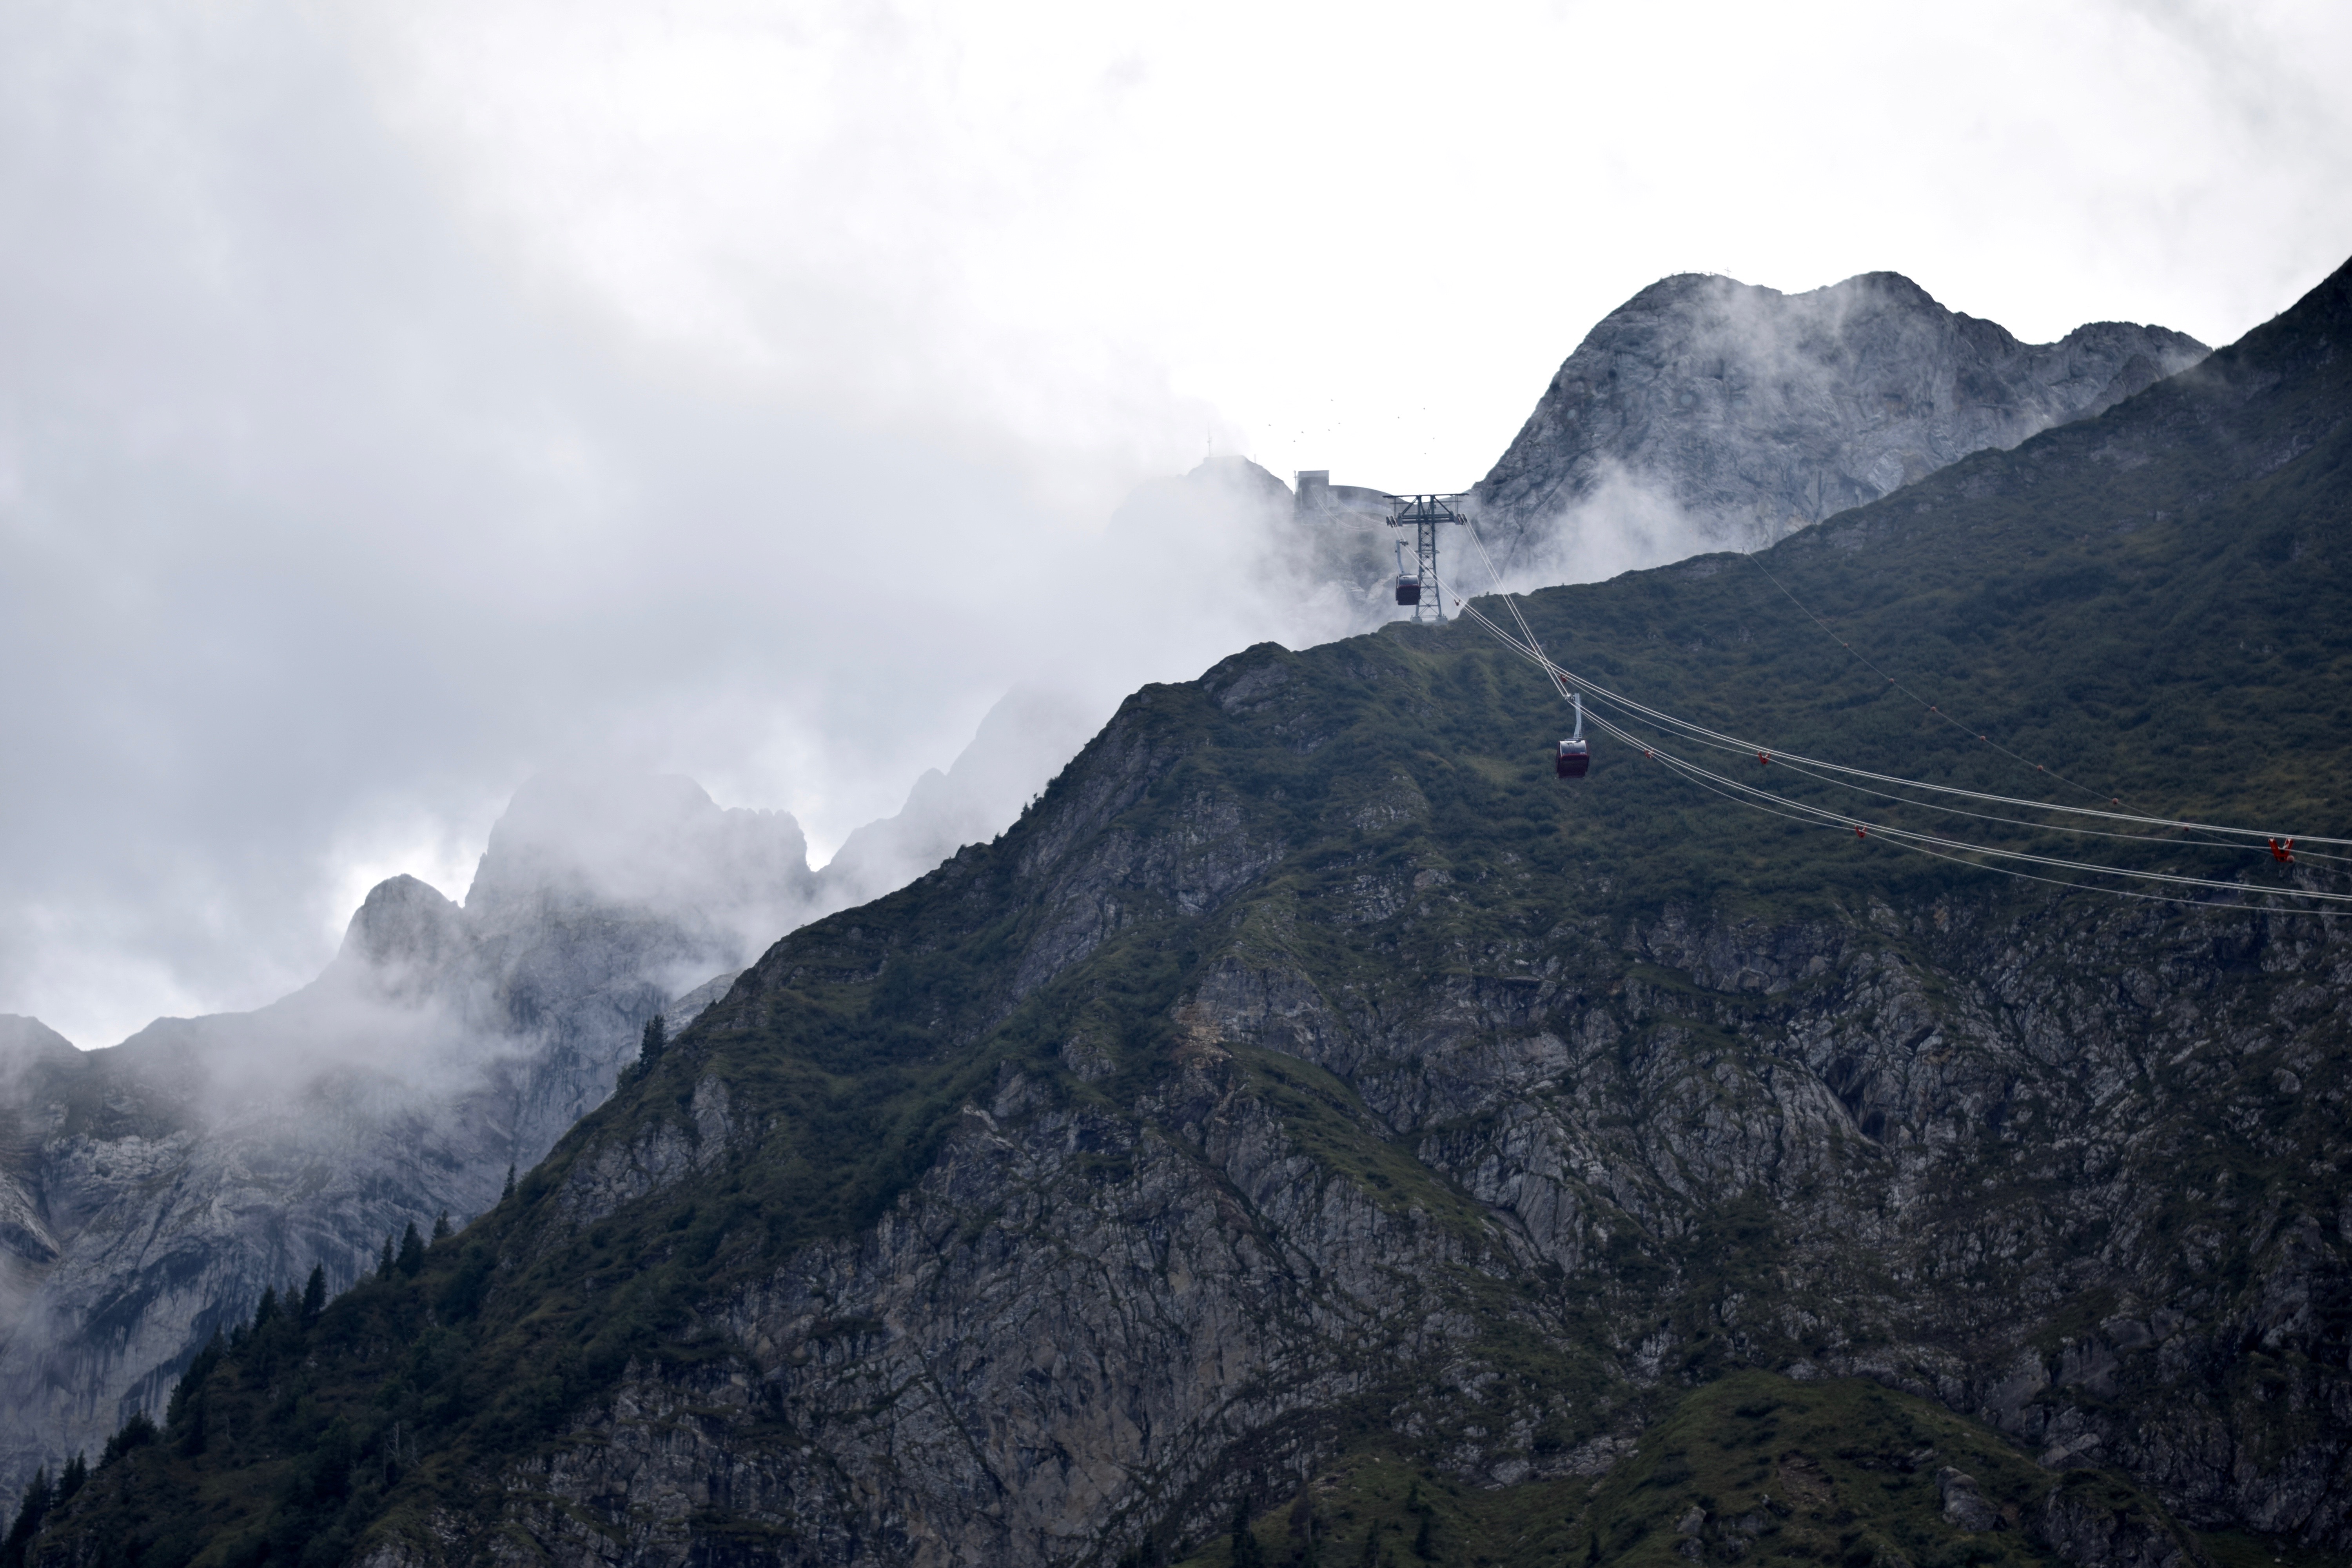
(1241, 474)
(25, 1041)
(405, 922)
(658, 840)
(1862, 290)
(1706, 412)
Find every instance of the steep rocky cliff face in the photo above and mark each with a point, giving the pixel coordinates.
(1310, 1079)
(1705, 413)
(1096, 1323)
(151, 1192)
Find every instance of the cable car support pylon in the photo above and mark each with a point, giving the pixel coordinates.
(1418, 586)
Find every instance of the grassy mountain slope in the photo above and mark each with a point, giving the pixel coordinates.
(1309, 1075)
(1752, 1468)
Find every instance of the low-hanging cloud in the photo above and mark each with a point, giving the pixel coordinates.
(1624, 523)
(401, 401)
(315, 519)
(1707, 414)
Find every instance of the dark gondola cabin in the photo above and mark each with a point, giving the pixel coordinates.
(1575, 753)
(1408, 590)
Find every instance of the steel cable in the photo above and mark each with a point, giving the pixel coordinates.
(1560, 674)
(1958, 850)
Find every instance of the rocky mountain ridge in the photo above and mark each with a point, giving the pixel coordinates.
(443, 1044)
(155, 1189)
(1310, 1078)
(1706, 413)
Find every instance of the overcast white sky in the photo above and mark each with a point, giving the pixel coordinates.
(398, 398)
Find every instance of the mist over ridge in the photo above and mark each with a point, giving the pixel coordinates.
(778, 517)
(1311, 1123)
(448, 1040)
(1708, 413)
(169, 1180)
(1181, 572)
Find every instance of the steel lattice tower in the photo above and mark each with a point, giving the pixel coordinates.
(1422, 514)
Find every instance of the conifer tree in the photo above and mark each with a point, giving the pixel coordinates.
(266, 1311)
(509, 1187)
(76, 1472)
(192, 1382)
(412, 1251)
(441, 1231)
(655, 1040)
(314, 1295)
(137, 1433)
(38, 1497)
(384, 1265)
(1246, 1550)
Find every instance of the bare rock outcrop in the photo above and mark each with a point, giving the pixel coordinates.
(151, 1192)
(1706, 413)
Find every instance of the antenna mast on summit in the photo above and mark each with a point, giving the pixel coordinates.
(1422, 514)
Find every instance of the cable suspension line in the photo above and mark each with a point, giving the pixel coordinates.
(1562, 676)
(1864, 660)
(1565, 684)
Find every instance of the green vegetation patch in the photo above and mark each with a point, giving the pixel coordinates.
(1378, 1508)
(1755, 1468)
(1752, 1468)
(1328, 1123)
